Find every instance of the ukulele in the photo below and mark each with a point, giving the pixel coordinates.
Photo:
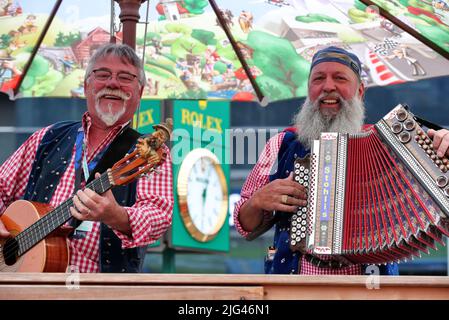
(38, 243)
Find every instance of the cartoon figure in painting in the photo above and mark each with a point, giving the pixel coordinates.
(441, 8)
(211, 57)
(156, 43)
(15, 41)
(401, 53)
(9, 74)
(246, 21)
(152, 87)
(196, 66)
(67, 64)
(227, 17)
(10, 8)
(185, 72)
(390, 27)
(29, 25)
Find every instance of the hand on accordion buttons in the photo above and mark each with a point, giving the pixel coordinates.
(440, 140)
(281, 195)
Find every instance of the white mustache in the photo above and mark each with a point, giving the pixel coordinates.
(116, 92)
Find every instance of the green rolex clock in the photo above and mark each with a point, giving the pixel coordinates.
(202, 194)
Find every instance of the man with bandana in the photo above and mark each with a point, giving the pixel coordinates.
(334, 104)
(56, 161)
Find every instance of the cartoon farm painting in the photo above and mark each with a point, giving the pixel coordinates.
(188, 55)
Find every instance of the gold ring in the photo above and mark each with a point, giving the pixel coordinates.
(284, 199)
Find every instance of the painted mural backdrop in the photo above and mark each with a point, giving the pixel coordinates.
(280, 43)
(21, 24)
(77, 29)
(187, 55)
(430, 18)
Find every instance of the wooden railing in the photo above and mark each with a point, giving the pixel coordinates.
(218, 287)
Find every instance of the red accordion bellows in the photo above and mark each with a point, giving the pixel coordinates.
(374, 197)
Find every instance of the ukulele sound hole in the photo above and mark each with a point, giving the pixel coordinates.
(10, 251)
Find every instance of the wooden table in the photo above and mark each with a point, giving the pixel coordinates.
(218, 287)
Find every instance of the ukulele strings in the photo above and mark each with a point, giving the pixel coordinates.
(36, 228)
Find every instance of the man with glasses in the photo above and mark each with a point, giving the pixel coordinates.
(112, 229)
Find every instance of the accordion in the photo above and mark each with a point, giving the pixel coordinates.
(374, 197)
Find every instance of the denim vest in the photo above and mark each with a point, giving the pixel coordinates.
(52, 159)
(285, 261)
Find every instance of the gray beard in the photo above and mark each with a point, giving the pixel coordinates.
(109, 117)
(309, 122)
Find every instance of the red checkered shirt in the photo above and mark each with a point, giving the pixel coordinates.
(259, 177)
(149, 217)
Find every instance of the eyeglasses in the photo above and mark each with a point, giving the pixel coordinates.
(122, 77)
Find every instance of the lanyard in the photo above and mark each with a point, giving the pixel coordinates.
(81, 162)
(81, 159)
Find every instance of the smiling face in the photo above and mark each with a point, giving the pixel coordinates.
(330, 82)
(110, 102)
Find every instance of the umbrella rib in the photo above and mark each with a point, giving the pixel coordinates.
(36, 47)
(408, 29)
(245, 66)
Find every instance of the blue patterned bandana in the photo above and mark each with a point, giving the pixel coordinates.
(335, 54)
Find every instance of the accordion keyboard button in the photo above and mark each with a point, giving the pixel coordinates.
(396, 127)
(401, 114)
(409, 124)
(405, 136)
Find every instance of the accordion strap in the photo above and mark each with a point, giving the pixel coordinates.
(428, 124)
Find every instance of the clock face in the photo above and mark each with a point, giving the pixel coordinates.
(203, 194)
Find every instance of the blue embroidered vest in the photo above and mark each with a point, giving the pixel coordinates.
(52, 158)
(285, 261)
